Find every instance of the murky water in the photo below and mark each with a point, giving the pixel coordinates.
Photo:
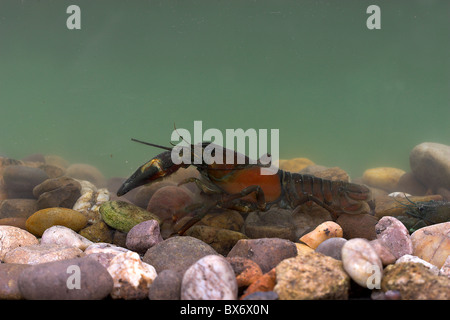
(339, 93)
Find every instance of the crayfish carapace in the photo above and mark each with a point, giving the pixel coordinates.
(242, 186)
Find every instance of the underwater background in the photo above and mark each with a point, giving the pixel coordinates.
(339, 93)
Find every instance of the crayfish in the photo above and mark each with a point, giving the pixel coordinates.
(424, 213)
(242, 186)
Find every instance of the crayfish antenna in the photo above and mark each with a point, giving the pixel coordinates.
(151, 144)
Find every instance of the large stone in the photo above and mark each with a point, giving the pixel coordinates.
(64, 236)
(430, 163)
(123, 216)
(132, 277)
(311, 276)
(394, 236)
(9, 277)
(432, 243)
(12, 238)
(73, 279)
(274, 223)
(221, 240)
(17, 208)
(177, 253)
(210, 278)
(83, 171)
(42, 253)
(383, 177)
(266, 252)
(57, 192)
(20, 180)
(46, 218)
(361, 262)
(415, 282)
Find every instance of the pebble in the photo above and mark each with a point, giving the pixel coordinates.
(73, 279)
(9, 277)
(98, 232)
(221, 240)
(415, 282)
(245, 270)
(166, 286)
(143, 236)
(432, 243)
(332, 247)
(430, 164)
(322, 232)
(333, 174)
(274, 223)
(295, 164)
(223, 219)
(177, 253)
(132, 277)
(169, 203)
(210, 278)
(14, 222)
(43, 219)
(266, 252)
(123, 216)
(408, 183)
(104, 252)
(17, 208)
(302, 248)
(83, 171)
(414, 259)
(358, 226)
(394, 236)
(90, 201)
(311, 276)
(13, 237)
(143, 194)
(264, 283)
(385, 178)
(360, 261)
(64, 236)
(41, 253)
(306, 218)
(58, 192)
(383, 252)
(20, 180)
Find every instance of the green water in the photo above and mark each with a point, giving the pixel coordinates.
(340, 94)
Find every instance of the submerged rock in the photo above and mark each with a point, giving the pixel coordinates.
(431, 165)
(311, 276)
(46, 218)
(123, 216)
(415, 282)
(210, 278)
(73, 279)
(385, 178)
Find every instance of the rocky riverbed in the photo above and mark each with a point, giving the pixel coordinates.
(64, 234)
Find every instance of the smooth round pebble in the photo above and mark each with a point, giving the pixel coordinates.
(361, 261)
(332, 247)
(73, 279)
(210, 278)
(43, 219)
(166, 286)
(64, 236)
(432, 243)
(13, 237)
